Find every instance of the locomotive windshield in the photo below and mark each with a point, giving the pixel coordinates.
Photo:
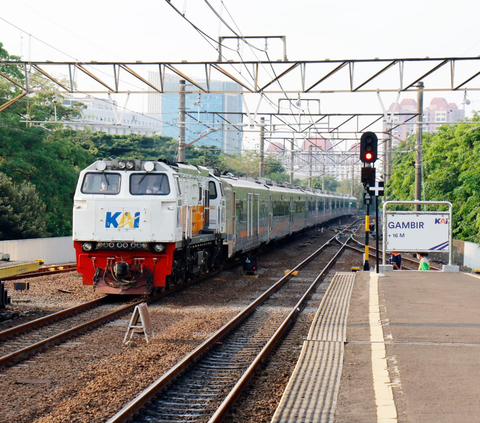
(149, 184)
(101, 183)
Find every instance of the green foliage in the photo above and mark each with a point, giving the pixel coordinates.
(248, 165)
(39, 163)
(22, 212)
(450, 173)
(51, 161)
(7, 89)
(331, 184)
(134, 146)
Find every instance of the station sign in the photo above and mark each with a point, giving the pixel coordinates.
(416, 232)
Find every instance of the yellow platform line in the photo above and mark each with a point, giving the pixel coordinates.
(386, 409)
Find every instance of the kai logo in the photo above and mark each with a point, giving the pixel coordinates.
(441, 221)
(122, 220)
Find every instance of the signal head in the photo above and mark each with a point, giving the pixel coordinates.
(368, 147)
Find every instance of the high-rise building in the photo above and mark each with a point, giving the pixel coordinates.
(438, 113)
(211, 118)
(106, 116)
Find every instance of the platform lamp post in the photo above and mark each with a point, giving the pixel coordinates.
(368, 156)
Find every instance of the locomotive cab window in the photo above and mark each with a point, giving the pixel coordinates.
(101, 183)
(212, 190)
(149, 184)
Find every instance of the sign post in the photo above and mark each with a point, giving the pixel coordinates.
(140, 323)
(368, 156)
(367, 199)
(377, 190)
(418, 231)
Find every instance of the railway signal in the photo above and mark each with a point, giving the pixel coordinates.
(368, 147)
(368, 156)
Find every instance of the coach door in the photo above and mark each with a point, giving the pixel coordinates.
(253, 216)
(291, 219)
(270, 217)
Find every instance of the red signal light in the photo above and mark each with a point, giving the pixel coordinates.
(368, 147)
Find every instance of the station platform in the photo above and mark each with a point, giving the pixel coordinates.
(402, 346)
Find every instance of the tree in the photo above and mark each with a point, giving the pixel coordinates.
(203, 155)
(450, 173)
(247, 164)
(331, 184)
(134, 146)
(7, 89)
(22, 212)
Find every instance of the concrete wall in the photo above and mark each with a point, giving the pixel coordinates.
(50, 250)
(471, 255)
(464, 254)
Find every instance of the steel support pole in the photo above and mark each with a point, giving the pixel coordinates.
(310, 165)
(181, 122)
(262, 147)
(366, 265)
(376, 235)
(418, 147)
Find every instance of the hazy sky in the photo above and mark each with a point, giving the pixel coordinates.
(151, 30)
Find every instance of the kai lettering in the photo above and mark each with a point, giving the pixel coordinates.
(122, 220)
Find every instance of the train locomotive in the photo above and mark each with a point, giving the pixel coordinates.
(140, 226)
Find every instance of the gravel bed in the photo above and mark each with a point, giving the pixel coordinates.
(92, 377)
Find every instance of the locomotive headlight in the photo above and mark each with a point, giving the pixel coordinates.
(130, 165)
(148, 166)
(87, 247)
(121, 164)
(159, 248)
(101, 165)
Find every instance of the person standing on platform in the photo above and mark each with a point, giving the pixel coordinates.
(396, 260)
(424, 263)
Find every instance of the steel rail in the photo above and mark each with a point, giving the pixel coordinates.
(42, 321)
(60, 337)
(43, 272)
(63, 336)
(371, 254)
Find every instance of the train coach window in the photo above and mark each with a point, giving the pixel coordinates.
(149, 184)
(101, 183)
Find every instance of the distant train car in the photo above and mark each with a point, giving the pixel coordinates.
(139, 226)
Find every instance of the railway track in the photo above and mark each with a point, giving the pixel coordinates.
(20, 342)
(45, 271)
(408, 263)
(205, 384)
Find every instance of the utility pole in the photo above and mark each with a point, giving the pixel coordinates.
(418, 147)
(262, 147)
(388, 154)
(181, 122)
(323, 170)
(291, 161)
(352, 190)
(310, 170)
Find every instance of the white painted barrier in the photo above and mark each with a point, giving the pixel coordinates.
(471, 255)
(50, 250)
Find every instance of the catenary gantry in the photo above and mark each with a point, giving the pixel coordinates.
(267, 77)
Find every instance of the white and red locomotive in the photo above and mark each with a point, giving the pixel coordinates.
(139, 226)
